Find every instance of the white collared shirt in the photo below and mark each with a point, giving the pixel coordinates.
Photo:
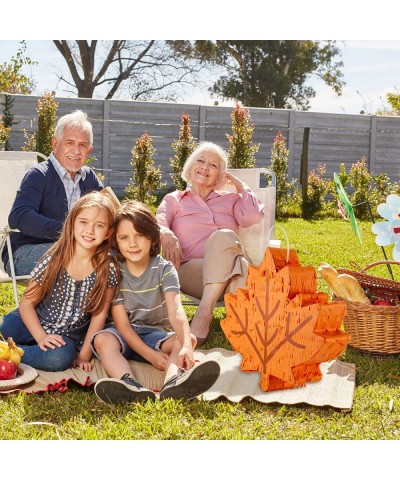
(71, 185)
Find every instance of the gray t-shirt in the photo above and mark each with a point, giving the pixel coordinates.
(144, 296)
(63, 312)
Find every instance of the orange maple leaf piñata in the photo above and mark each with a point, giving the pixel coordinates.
(282, 327)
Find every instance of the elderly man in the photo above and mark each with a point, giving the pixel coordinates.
(48, 191)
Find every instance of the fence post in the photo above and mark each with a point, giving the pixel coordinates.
(291, 135)
(106, 141)
(372, 144)
(304, 169)
(202, 123)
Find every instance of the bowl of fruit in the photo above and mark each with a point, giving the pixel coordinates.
(13, 373)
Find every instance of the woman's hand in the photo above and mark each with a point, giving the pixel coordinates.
(235, 181)
(171, 249)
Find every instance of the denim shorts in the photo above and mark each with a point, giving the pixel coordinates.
(152, 337)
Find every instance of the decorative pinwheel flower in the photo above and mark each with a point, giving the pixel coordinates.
(389, 232)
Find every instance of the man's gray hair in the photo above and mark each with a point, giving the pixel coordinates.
(76, 120)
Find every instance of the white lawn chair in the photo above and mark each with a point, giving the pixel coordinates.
(13, 166)
(256, 238)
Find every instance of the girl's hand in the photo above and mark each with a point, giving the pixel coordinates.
(186, 358)
(171, 248)
(159, 360)
(84, 365)
(51, 341)
(235, 181)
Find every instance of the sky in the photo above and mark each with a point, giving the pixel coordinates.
(371, 69)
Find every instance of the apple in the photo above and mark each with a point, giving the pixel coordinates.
(383, 303)
(8, 370)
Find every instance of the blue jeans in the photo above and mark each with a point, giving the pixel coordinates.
(26, 257)
(55, 360)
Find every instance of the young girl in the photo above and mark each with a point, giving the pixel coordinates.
(70, 293)
(147, 306)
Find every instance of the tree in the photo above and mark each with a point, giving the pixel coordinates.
(12, 80)
(182, 148)
(267, 73)
(145, 69)
(241, 151)
(394, 99)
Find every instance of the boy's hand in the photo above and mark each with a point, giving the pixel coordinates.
(186, 358)
(159, 360)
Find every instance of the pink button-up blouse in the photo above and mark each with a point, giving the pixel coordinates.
(193, 219)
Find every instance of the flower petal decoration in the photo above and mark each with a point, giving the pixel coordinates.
(389, 232)
(391, 209)
(346, 205)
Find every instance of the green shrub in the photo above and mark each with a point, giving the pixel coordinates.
(318, 188)
(8, 118)
(361, 181)
(146, 177)
(241, 153)
(40, 141)
(4, 134)
(279, 165)
(182, 148)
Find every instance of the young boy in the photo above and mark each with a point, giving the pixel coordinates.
(148, 305)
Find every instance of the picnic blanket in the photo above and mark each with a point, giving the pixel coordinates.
(335, 389)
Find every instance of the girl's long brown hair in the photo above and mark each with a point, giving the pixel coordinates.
(62, 252)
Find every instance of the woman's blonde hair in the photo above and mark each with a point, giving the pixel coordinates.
(143, 221)
(200, 149)
(62, 252)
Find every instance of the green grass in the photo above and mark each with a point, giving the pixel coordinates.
(77, 414)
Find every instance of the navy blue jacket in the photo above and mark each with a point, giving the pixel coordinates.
(41, 205)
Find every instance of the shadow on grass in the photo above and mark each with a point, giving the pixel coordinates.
(373, 368)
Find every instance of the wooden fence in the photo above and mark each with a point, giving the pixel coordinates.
(117, 124)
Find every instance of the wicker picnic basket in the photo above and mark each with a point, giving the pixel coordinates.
(374, 328)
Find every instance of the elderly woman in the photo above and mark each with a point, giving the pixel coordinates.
(199, 232)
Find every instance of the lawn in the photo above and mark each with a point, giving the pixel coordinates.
(78, 415)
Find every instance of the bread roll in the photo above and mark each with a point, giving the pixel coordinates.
(344, 286)
(355, 293)
(330, 275)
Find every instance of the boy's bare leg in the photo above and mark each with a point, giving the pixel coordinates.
(173, 346)
(108, 349)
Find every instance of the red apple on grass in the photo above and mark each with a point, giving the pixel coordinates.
(8, 370)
